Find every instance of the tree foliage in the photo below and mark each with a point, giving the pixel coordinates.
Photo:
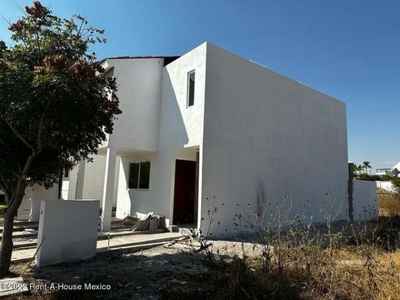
(396, 186)
(366, 165)
(357, 169)
(53, 99)
(56, 104)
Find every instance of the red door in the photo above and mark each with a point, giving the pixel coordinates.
(185, 179)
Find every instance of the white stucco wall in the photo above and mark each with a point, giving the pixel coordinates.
(139, 91)
(181, 126)
(364, 200)
(70, 231)
(37, 194)
(24, 210)
(65, 188)
(136, 130)
(134, 200)
(94, 178)
(154, 199)
(267, 137)
(30, 206)
(73, 176)
(180, 132)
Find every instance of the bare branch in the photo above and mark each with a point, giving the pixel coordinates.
(40, 129)
(81, 27)
(19, 166)
(20, 136)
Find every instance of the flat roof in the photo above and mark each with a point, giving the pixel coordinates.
(167, 59)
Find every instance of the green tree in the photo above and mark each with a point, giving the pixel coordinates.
(366, 165)
(396, 186)
(357, 169)
(56, 105)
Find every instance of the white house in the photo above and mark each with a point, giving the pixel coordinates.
(212, 125)
(396, 170)
(391, 172)
(384, 171)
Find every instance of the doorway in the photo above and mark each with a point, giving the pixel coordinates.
(184, 195)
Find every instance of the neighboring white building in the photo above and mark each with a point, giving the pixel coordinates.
(392, 172)
(396, 170)
(212, 125)
(384, 171)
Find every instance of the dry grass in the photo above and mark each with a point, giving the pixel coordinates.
(388, 203)
(355, 261)
(364, 265)
(361, 272)
(356, 273)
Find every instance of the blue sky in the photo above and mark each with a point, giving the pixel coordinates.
(349, 50)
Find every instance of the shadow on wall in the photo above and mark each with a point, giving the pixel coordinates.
(172, 135)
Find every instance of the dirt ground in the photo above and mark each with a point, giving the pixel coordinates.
(155, 273)
(174, 272)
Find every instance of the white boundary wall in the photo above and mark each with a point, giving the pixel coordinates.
(70, 231)
(386, 185)
(364, 200)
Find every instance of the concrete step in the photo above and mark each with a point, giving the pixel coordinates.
(25, 229)
(18, 228)
(129, 249)
(121, 242)
(118, 244)
(100, 236)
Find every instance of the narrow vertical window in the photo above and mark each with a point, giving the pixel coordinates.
(191, 83)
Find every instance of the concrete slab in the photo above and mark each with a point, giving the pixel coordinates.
(121, 238)
(30, 241)
(131, 243)
(134, 240)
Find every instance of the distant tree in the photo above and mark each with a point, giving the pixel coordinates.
(384, 177)
(367, 177)
(357, 169)
(366, 165)
(56, 105)
(396, 186)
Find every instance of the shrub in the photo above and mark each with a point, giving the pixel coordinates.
(385, 178)
(396, 186)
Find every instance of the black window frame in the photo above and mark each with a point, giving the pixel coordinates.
(139, 175)
(191, 87)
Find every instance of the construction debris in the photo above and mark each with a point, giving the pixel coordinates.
(143, 222)
(191, 243)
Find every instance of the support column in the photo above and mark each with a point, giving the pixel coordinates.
(108, 191)
(80, 180)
